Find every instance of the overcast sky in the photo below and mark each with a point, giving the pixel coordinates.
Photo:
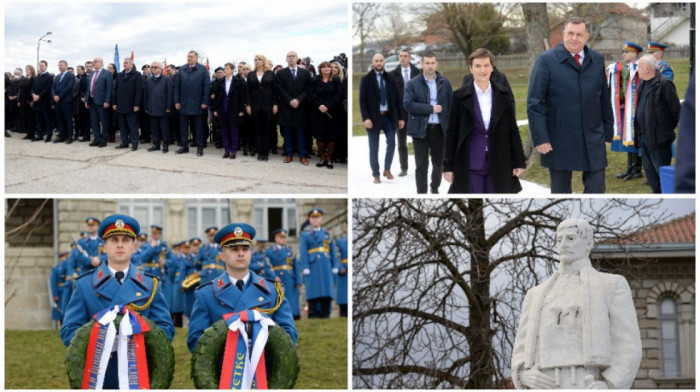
(231, 31)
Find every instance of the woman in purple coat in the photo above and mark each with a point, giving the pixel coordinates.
(483, 151)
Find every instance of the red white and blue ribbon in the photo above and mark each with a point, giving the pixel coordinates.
(131, 350)
(244, 366)
(630, 106)
(614, 77)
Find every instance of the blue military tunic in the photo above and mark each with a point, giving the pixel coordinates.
(220, 297)
(342, 297)
(318, 255)
(209, 262)
(86, 249)
(188, 268)
(55, 281)
(98, 290)
(285, 268)
(260, 265)
(171, 292)
(150, 255)
(65, 284)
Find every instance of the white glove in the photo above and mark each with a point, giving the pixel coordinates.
(306, 271)
(334, 270)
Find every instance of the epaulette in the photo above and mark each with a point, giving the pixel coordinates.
(86, 273)
(205, 284)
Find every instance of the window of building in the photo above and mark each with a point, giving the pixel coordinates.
(273, 214)
(668, 316)
(203, 213)
(146, 211)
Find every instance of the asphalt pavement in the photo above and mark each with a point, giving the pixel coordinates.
(39, 167)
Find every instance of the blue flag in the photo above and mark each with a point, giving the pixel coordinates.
(116, 56)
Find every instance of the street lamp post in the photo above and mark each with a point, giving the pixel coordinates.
(38, 44)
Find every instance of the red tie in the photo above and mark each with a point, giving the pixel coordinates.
(94, 80)
(577, 57)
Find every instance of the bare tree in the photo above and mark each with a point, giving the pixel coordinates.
(438, 284)
(364, 16)
(537, 27)
(25, 231)
(474, 25)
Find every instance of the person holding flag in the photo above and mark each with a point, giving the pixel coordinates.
(116, 288)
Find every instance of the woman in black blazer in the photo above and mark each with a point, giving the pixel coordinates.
(341, 142)
(324, 95)
(262, 104)
(230, 107)
(25, 101)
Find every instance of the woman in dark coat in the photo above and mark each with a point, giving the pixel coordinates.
(341, 142)
(482, 154)
(324, 95)
(230, 101)
(262, 104)
(24, 98)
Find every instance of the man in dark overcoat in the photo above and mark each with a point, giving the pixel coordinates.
(569, 110)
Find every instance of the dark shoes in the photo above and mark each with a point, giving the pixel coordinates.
(200, 152)
(153, 148)
(134, 147)
(121, 146)
(182, 150)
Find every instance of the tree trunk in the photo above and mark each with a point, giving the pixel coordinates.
(479, 333)
(537, 26)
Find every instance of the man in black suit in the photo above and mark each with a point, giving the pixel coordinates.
(98, 93)
(128, 94)
(381, 110)
(41, 96)
(62, 92)
(293, 82)
(216, 122)
(405, 71)
(158, 101)
(144, 122)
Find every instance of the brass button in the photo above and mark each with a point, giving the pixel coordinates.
(138, 293)
(260, 298)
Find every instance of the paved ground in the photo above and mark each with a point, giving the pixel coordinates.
(40, 167)
(361, 180)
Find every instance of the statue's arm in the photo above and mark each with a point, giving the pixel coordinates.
(626, 344)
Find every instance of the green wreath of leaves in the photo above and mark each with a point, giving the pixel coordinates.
(281, 360)
(160, 353)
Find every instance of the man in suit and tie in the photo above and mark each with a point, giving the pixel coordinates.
(158, 99)
(128, 94)
(191, 92)
(569, 110)
(98, 94)
(62, 92)
(293, 82)
(381, 110)
(405, 71)
(41, 96)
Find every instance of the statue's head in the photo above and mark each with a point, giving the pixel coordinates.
(574, 240)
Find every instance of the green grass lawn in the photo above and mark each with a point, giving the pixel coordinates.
(35, 359)
(519, 79)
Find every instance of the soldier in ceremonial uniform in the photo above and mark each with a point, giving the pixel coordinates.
(319, 262)
(189, 270)
(88, 251)
(623, 81)
(171, 266)
(342, 298)
(137, 257)
(237, 288)
(281, 257)
(259, 263)
(657, 49)
(177, 271)
(57, 283)
(209, 258)
(116, 283)
(153, 256)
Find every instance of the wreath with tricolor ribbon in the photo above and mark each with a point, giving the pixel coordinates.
(146, 358)
(224, 359)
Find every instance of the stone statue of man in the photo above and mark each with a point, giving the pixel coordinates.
(578, 330)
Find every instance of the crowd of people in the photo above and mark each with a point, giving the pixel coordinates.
(575, 106)
(320, 265)
(239, 107)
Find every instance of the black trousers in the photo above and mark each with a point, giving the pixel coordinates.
(652, 160)
(194, 121)
(160, 130)
(430, 146)
(320, 307)
(261, 131)
(593, 181)
(403, 148)
(128, 128)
